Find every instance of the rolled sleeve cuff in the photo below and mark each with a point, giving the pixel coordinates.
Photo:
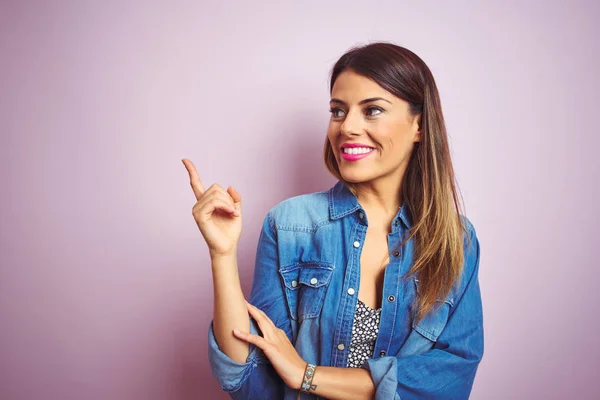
(230, 374)
(383, 372)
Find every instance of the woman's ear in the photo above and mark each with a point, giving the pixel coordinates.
(417, 127)
(417, 137)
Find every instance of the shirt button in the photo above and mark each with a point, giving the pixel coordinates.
(396, 223)
(361, 215)
(314, 281)
(391, 298)
(357, 244)
(341, 346)
(294, 283)
(396, 253)
(382, 353)
(351, 291)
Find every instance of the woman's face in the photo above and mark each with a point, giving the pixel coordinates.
(371, 131)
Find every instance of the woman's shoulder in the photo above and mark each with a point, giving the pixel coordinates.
(471, 248)
(468, 225)
(304, 211)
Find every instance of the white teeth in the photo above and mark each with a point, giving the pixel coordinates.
(357, 150)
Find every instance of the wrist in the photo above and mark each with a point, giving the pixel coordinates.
(306, 384)
(227, 255)
(300, 376)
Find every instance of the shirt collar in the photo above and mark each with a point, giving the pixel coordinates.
(343, 202)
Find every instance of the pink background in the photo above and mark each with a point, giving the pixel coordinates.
(105, 284)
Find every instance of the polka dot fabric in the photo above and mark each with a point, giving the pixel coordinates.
(364, 333)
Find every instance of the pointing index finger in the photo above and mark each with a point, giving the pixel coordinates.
(195, 181)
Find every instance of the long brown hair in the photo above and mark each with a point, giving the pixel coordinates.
(428, 189)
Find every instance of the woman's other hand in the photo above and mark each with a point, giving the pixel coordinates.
(218, 214)
(277, 347)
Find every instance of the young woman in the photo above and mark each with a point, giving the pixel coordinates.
(369, 289)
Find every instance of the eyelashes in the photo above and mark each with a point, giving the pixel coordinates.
(334, 112)
(338, 112)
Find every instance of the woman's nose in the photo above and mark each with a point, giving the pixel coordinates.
(352, 124)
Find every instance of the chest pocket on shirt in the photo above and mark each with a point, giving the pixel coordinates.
(425, 333)
(305, 287)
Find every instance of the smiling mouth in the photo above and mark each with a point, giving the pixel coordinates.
(356, 153)
(357, 150)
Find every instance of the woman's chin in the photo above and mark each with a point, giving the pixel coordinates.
(355, 176)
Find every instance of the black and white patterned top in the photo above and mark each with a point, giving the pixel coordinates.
(364, 333)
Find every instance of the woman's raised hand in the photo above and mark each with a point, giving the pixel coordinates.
(218, 214)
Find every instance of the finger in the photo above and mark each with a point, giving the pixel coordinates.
(262, 318)
(195, 181)
(216, 188)
(252, 338)
(209, 207)
(235, 196)
(216, 195)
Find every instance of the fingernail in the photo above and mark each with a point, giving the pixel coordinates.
(236, 332)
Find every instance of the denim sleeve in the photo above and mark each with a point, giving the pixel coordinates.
(447, 371)
(256, 378)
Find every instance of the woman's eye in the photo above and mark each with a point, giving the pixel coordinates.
(372, 111)
(336, 112)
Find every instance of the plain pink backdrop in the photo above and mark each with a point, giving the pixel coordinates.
(105, 284)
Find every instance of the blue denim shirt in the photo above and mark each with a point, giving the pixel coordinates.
(308, 258)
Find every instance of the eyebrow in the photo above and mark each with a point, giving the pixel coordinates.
(369, 100)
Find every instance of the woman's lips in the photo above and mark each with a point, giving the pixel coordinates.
(355, 157)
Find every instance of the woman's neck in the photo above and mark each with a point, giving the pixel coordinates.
(380, 200)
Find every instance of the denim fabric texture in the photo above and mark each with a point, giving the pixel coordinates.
(308, 257)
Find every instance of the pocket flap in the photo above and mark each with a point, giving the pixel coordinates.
(313, 274)
(449, 299)
(432, 325)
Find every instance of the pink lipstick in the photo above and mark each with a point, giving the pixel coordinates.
(362, 152)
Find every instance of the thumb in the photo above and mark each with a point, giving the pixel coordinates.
(235, 196)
